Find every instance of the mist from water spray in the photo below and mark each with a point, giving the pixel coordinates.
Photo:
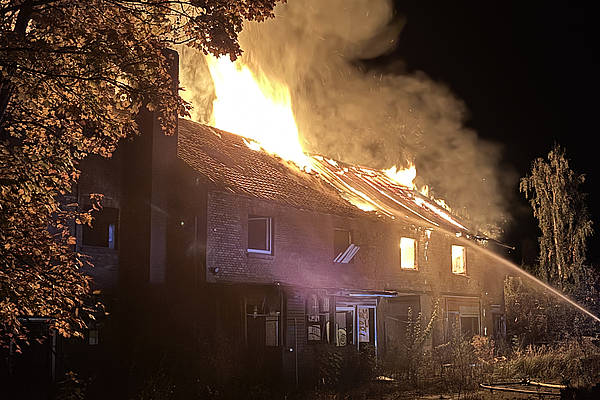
(554, 291)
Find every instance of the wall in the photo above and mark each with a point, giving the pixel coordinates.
(303, 256)
(303, 252)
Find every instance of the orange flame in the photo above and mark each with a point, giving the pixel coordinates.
(251, 105)
(404, 177)
(255, 107)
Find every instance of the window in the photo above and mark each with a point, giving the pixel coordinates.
(317, 319)
(341, 241)
(262, 326)
(463, 317)
(260, 235)
(469, 326)
(344, 326)
(103, 232)
(408, 253)
(343, 248)
(458, 260)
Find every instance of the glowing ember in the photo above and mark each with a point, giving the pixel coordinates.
(254, 107)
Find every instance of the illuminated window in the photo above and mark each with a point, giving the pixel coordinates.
(458, 260)
(260, 235)
(408, 253)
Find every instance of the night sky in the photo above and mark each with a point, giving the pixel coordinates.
(525, 72)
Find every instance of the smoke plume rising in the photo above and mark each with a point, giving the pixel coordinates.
(373, 118)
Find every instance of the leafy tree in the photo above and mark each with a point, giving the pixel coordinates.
(554, 192)
(73, 76)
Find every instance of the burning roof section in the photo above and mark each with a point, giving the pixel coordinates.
(227, 162)
(373, 190)
(233, 163)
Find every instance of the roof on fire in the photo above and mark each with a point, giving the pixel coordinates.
(332, 187)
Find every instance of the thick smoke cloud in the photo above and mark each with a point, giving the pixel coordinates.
(373, 118)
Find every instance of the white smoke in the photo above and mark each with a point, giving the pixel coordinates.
(373, 118)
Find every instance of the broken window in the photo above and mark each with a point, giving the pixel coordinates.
(260, 235)
(103, 232)
(343, 248)
(408, 253)
(341, 241)
(458, 260)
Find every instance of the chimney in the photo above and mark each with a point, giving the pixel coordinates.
(149, 161)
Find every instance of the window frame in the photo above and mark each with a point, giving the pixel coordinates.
(269, 235)
(464, 258)
(415, 266)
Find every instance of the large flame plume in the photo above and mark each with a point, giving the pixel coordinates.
(255, 107)
(260, 109)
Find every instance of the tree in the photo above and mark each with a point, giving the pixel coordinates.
(73, 76)
(554, 192)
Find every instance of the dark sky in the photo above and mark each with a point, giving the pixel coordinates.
(525, 72)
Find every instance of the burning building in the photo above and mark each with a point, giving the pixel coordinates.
(208, 237)
(239, 246)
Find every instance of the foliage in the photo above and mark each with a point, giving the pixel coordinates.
(73, 77)
(457, 361)
(576, 362)
(554, 192)
(343, 368)
(70, 388)
(536, 316)
(410, 354)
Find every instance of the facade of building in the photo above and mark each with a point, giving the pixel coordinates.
(275, 261)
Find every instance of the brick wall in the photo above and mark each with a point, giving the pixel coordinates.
(303, 252)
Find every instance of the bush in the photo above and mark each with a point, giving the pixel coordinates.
(576, 362)
(537, 316)
(343, 368)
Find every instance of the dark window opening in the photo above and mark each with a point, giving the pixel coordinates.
(498, 330)
(262, 327)
(259, 235)
(469, 326)
(462, 317)
(317, 319)
(344, 327)
(342, 239)
(103, 232)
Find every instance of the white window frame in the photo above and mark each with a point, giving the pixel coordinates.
(269, 238)
(414, 245)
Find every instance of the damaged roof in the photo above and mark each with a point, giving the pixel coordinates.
(227, 162)
(331, 187)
